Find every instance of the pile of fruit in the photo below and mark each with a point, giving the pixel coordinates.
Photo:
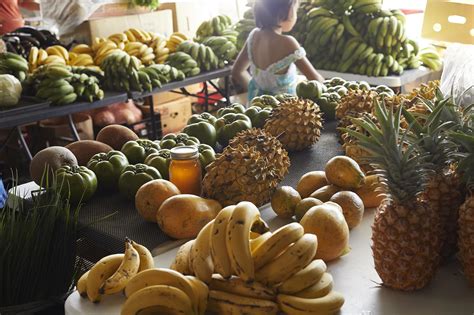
(63, 85)
(358, 37)
(413, 149)
(241, 262)
(353, 36)
(13, 64)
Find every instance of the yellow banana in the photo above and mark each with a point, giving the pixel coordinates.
(162, 276)
(227, 303)
(146, 259)
(201, 254)
(98, 60)
(293, 259)
(294, 305)
(42, 56)
(54, 59)
(256, 242)
(201, 291)
(82, 49)
(277, 243)
(138, 34)
(176, 40)
(171, 298)
(58, 51)
(238, 243)
(105, 47)
(319, 289)
(128, 268)
(162, 59)
(219, 251)
(100, 272)
(72, 56)
(237, 286)
(180, 35)
(33, 58)
(83, 60)
(305, 278)
(181, 261)
(81, 285)
(130, 36)
(132, 46)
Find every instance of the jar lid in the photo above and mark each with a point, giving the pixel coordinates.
(184, 153)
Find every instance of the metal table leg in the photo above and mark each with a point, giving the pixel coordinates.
(152, 118)
(206, 97)
(70, 122)
(23, 143)
(227, 88)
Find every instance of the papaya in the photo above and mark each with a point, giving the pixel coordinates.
(310, 182)
(371, 192)
(344, 172)
(183, 216)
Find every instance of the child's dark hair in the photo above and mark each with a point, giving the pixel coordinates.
(270, 13)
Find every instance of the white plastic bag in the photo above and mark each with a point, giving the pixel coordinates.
(62, 17)
(458, 73)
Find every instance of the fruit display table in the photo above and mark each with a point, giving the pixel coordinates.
(405, 82)
(354, 276)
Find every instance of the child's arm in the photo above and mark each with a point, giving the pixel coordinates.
(240, 75)
(303, 64)
(308, 70)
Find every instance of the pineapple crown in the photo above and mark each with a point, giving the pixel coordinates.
(402, 166)
(430, 130)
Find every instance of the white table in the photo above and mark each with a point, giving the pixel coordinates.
(408, 80)
(354, 276)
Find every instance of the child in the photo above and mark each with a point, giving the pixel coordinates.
(272, 57)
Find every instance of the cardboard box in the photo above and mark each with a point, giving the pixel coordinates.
(449, 21)
(158, 21)
(165, 97)
(175, 114)
(188, 15)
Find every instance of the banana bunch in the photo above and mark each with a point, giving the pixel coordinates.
(118, 38)
(13, 64)
(52, 83)
(325, 32)
(166, 73)
(214, 27)
(137, 35)
(141, 51)
(175, 39)
(103, 48)
(243, 269)
(165, 291)
(112, 273)
(121, 72)
(231, 35)
(80, 60)
(366, 6)
(204, 55)
(224, 49)
(184, 62)
(85, 85)
(82, 49)
(339, 7)
(161, 51)
(430, 58)
(38, 57)
(386, 33)
(245, 26)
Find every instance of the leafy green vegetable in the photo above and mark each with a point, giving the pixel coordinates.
(152, 4)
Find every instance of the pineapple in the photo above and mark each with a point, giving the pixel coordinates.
(405, 238)
(443, 192)
(466, 212)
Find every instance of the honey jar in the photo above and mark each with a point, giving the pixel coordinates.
(185, 170)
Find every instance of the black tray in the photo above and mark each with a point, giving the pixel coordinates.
(26, 104)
